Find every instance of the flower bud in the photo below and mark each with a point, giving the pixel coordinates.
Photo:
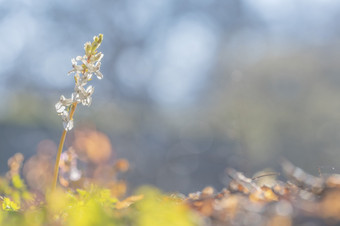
(88, 49)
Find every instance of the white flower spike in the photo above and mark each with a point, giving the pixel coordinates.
(89, 65)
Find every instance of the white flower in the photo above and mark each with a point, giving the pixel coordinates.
(68, 165)
(87, 76)
(68, 125)
(83, 95)
(75, 174)
(63, 104)
(97, 72)
(67, 122)
(93, 66)
(76, 68)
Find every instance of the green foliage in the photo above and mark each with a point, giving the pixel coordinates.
(90, 206)
(9, 205)
(14, 193)
(18, 183)
(158, 209)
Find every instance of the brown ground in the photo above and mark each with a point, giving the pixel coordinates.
(302, 200)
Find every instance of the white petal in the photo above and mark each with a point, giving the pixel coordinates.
(68, 125)
(89, 90)
(79, 58)
(78, 68)
(73, 95)
(97, 65)
(84, 61)
(64, 116)
(89, 101)
(99, 74)
(67, 102)
(101, 57)
(74, 62)
(81, 90)
(87, 76)
(59, 107)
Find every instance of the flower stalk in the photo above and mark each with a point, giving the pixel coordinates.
(60, 150)
(90, 64)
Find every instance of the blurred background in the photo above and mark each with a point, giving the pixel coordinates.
(190, 87)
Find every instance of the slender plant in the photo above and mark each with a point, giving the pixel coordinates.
(89, 65)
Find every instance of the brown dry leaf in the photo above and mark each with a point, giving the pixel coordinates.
(197, 204)
(281, 190)
(207, 192)
(230, 205)
(235, 186)
(333, 181)
(330, 205)
(128, 201)
(280, 221)
(269, 194)
(257, 196)
(204, 207)
(207, 207)
(194, 196)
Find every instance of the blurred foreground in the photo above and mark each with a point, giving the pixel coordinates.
(98, 197)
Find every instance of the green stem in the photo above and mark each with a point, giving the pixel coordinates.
(60, 149)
